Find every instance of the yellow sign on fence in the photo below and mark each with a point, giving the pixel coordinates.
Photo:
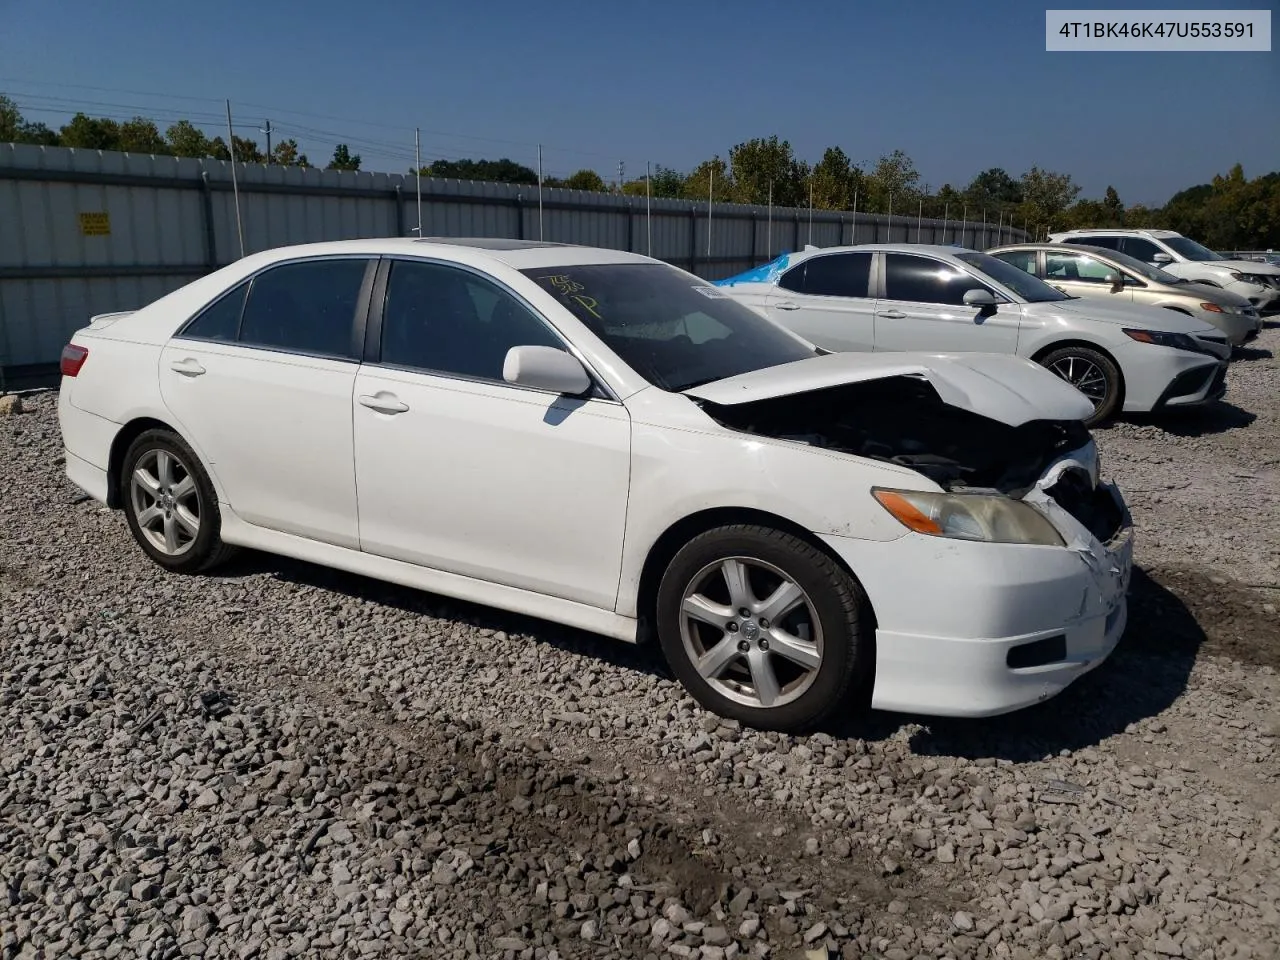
(95, 224)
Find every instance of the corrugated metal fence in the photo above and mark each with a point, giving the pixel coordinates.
(84, 232)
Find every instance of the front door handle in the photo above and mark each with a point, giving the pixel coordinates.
(188, 367)
(383, 403)
(891, 314)
(787, 305)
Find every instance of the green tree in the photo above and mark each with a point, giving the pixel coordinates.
(698, 183)
(247, 151)
(894, 176)
(90, 133)
(38, 133)
(184, 139)
(286, 154)
(663, 182)
(1115, 209)
(994, 189)
(141, 135)
(492, 171)
(757, 164)
(835, 180)
(586, 180)
(1046, 196)
(10, 120)
(344, 159)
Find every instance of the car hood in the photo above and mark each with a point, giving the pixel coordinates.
(1211, 294)
(1182, 267)
(1123, 314)
(1009, 389)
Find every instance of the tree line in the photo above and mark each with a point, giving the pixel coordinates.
(1231, 212)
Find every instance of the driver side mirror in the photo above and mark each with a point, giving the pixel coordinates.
(979, 298)
(1162, 258)
(546, 368)
(1115, 280)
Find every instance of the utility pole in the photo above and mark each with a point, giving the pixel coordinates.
(268, 131)
(621, 167)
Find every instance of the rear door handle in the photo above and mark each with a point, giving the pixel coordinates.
(787, 305)
(891, 314)
(188, 367)
(383, 403)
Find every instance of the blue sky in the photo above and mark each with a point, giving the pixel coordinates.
(959, 86)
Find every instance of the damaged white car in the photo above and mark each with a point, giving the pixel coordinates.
(605, 441)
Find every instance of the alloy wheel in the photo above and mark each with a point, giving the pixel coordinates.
(165, 501)
(1084, 375)
(751, 632)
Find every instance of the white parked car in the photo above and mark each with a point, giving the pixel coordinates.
(887, 297)
(1259, 283)
(606, 441)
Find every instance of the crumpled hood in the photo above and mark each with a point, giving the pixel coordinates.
(1009, 389)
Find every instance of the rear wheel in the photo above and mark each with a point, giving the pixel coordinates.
(763, 628)
(1091, 372)
(170, 504)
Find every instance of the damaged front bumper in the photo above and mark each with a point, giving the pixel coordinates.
(971, 629)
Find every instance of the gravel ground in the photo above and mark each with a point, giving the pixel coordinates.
(283, 761)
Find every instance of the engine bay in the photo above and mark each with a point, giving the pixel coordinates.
(902, 420)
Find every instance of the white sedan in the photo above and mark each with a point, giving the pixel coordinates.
(606, 441)
(884, 297)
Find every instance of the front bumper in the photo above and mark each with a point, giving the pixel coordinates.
(1203, 384)
(1263, 296)
(964, 652)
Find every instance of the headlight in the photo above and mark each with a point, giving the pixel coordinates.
(1253, 278)
(969, 517)
(1179, 341)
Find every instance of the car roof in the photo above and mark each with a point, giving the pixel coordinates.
(1055, 248)
(1118, 232)
(936, 249)
(515, 253)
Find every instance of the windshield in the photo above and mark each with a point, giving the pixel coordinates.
(1189, 249)
(673, 329)
(1029, 288)
(1144, 270)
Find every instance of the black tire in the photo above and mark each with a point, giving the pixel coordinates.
(205, 550)
(830, 596)
(1104, 406)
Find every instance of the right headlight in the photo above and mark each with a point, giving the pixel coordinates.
(982, 517)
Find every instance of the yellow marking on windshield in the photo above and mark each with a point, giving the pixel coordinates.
(590, 303)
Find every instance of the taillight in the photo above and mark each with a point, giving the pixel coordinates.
(73, 358)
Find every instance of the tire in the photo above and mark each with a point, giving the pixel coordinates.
(177, 494)
(828, 629)
(1091, 372)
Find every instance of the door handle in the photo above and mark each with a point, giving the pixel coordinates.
(188, 367)
(891, 314)
(787, 305)
(383, 403)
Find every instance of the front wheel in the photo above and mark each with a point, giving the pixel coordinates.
(1091, 372)
(170, 504)
(763, 628)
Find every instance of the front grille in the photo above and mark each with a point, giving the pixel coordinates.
(1094, 507)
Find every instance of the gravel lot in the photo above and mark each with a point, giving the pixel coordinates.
(283, 761)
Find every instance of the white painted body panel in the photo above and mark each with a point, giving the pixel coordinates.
(550, 507)
(276, 428)
(520, 487)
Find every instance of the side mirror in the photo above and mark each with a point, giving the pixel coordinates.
(1161, 257)
(979, 298)
(1115, 280)
(545, 368)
